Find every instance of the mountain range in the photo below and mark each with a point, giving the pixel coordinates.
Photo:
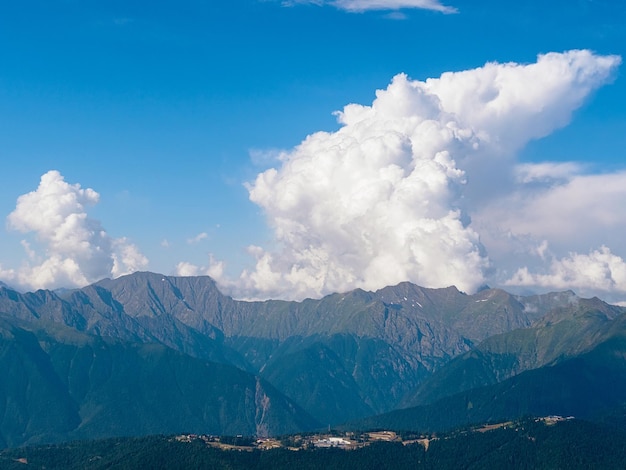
(154, 354)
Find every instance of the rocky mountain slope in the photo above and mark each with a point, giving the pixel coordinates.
(343, 357)
(60, 384)
(588, 386)
(563, 333)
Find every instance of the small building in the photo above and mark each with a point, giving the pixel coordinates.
(332, 442)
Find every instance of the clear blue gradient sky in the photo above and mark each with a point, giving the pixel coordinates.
(174, 114)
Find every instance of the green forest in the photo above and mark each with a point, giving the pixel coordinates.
(528, 444)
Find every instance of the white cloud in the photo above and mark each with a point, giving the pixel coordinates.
(547, 172)
(574, 211)
(32, 255)
(386, 199)
(511, 104)
(187, 269)
(215, 269)
(126, 258)
(75, 249)
(365, 5)
(198, 238)
(599, 271)
(7, 274)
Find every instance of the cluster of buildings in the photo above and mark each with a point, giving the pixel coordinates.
(347, 441)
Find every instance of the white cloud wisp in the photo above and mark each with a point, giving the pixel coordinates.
(359, 6)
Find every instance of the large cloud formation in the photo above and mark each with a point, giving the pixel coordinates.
(388, 197)
(76, 249)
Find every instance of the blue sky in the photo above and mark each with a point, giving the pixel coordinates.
(171, 113)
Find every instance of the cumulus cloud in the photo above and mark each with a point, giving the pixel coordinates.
(509, 104)
(185, 268)
(388, 197)
(6, 274)
(74, 249)
(365, 5)
(215, 269)
(127, 258)
(600, 270)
